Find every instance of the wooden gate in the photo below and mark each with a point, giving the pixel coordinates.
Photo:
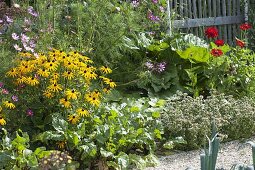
(192, 16)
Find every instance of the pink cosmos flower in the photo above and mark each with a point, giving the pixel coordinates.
(5, 91)
(15, 98)
(15, 36)
(16, 46)
(30, 112)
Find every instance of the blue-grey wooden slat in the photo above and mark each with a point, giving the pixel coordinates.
(208, 21)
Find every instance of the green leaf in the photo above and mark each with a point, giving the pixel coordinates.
(140, 131)
(151, 160)
(168, 145)
(138, 161)
(59, 124)
(105, 153)
(123, 160)
(50, 135)
(114, 165)
(90, 149)
(73, 137)
(32, 161)
(134, 109)
(97, 120)
(114, 114)
(156, 114)
(195, 54)
(157, 133)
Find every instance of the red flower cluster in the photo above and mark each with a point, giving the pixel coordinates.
(211, 32)
(245, 26)
(219, 42)
(216, 52)
(240, 43)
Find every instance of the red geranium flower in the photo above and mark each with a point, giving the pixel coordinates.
(219, 42)
(216, 52)
(240, 43)
(211, 32)
(245, 26)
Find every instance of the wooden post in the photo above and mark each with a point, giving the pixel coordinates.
(246, 10)
(169, 18)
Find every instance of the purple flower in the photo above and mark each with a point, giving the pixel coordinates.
(161, 67)
(15, 36)
(5, 91)
(31, 11)
(1, 84)
(9, 20)
(152, 17)
(17, 47)
(32, 44)
(149, 65)
(24, 38)
(27, 22)
(162, 9)
(1, 21)
(15, 98)
(154, 1)
(30, 112)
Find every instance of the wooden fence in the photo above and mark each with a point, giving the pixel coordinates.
(192, 16)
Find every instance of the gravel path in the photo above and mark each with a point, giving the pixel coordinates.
(230, 153)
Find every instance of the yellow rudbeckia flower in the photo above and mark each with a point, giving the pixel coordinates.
(73, 118)
(105, 70)
(9, 105)
(65, 102)
(71, 94)
(2, 121)
(82, 112)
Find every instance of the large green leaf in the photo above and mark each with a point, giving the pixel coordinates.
(195, 54)
(59, 124)
(105, 153)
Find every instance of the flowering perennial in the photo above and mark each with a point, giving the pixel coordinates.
(67, 79)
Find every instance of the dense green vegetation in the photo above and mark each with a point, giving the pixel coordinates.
(99, 84)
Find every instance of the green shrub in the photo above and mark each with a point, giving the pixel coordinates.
(115, 135)
(191, 117)
(15, 154)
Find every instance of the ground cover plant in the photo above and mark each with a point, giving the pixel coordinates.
(191, 118)
(92, 84)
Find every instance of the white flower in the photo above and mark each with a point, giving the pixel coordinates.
(17, 47)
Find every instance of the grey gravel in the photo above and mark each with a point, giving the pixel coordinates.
(230, 153)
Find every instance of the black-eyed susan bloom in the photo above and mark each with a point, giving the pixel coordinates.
(105, 70)
(73, 118)
(55, 87)
(2, 121)
(43, 72)
(51, 66)
(82, 112)
(96, 94)
(55, 76)
(71, 94)
(92, 99)
(48, 94)
(9, 105)
(21, 80)
(65, 102)
(107, 90)
(61, 144)
(32, 81)
(68, 75)
(110, 83)
(12, 73)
